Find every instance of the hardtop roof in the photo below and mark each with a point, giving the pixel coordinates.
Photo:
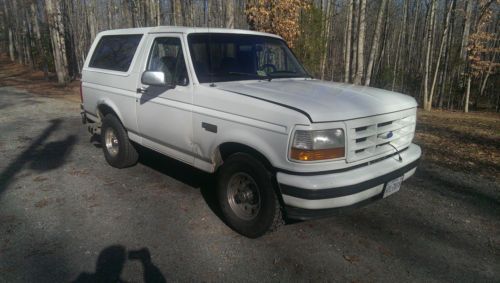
(184, 30)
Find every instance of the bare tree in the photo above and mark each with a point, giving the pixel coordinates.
(361, 44)
(441, 47)
(347, 64)
(410, 45)
(8, 23)
(463, 51)
(449, 39)
(229, 14)
(376, 42)
(400, 47)
(430, 32)
(326, 35)
(56, 28)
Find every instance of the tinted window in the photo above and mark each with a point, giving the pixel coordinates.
(166, 56)
(115, 52)
(221, 57)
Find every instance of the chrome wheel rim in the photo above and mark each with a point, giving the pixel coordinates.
(111, 141)
(243, 196)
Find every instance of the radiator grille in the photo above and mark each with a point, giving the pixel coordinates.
(370, 137)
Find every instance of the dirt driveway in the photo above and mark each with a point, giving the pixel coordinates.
(65, 214)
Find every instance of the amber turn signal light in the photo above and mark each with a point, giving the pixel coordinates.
(318, 154)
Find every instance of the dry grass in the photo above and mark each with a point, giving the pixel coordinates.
(23, 77)
(462, 142)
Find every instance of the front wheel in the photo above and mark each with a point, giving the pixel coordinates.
(245, 191)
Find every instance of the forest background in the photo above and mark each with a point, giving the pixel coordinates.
(442, 52)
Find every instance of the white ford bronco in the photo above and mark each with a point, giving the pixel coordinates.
(238, 104)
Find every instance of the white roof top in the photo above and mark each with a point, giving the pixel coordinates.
(185, 30)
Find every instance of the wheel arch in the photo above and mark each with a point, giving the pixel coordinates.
(105, 107)
(226, 149)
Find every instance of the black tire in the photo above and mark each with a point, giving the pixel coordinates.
(126, 154)
(268, 217)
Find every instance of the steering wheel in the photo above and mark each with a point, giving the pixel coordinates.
(265, 68)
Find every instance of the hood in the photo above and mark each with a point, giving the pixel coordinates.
(323, 101)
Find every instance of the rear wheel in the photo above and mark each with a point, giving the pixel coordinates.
(246, 194)
(118, 150)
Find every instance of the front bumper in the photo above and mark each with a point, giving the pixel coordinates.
(311, 196)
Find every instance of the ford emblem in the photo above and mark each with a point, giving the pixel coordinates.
(387, 135)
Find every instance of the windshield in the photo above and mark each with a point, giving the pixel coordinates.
(219, 57)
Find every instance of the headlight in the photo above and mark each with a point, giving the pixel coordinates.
(318, 145)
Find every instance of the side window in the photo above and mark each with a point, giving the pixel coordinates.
(166, 56)
(115, 52)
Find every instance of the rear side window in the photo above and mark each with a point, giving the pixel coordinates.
(115, 52)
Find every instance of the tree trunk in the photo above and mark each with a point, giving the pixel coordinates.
(347, 65)
(56, 29)
(229, 14)
(92, 20)
(441, 47)
(466, 31)
(449, 40)
(355, 38)
(412, 53)
(489, 70)
(18, 42)
(360, 70)
(8, 23)
(136, 13)
(465, 43)
(12, 53)
(158, 13)
(467, 94)
(400, 47)
(430, 31)
(376, 42)
(110, 7)
(382, 52)
(177, 10)
(38, 39)
(326, 29)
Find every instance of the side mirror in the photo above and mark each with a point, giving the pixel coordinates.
(154, 78)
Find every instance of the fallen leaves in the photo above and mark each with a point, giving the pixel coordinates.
(351, 258)
(465, 142)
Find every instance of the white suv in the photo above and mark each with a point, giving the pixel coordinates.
(239, 104)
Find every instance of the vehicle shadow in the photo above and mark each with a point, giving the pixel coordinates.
(183, 173)
(95, 140)
(111, 261)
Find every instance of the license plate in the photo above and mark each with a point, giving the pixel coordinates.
(393, 186)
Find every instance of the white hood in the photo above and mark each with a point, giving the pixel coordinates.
(324, 101)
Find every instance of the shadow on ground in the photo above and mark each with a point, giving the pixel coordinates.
(39, 155)
(183, 173)
(111, 261)
(426, 242)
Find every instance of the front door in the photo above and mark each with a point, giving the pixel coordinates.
(164, 114)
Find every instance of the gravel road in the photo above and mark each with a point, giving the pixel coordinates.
(66, 215)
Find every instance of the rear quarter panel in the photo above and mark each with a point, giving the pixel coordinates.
(113, 88)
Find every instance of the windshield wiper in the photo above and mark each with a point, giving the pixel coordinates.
(267, 77)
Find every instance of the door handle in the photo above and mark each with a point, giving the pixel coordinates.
(142, 90)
